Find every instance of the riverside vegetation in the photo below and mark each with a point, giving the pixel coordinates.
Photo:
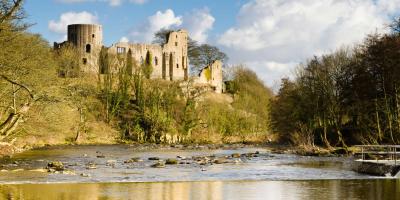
(45, 99)
(351, 96)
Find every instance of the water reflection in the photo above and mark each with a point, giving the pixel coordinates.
(319, 189)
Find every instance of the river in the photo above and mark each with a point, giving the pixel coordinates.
(256, 174)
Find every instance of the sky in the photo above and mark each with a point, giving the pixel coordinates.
(270, 37)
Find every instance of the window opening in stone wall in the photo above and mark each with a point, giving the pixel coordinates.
(120, 50)
(93, 36)
(84, 61)
(177, 65)
(155, 60)
(88, 48)
(176, 43)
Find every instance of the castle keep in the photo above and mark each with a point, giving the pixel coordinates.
(169, 60)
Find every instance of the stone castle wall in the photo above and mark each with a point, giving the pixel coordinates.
(212, 75)
(88, 38)
(169, 60)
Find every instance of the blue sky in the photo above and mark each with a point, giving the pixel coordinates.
(119, 20)
(269, 36)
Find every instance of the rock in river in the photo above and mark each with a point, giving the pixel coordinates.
(171, 161)
(158, 164)
(133, 160)
(91, 165)
(55, 166)
(111, 163)
(235, 155)
(220, 161)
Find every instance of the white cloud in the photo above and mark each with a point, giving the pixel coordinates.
(115, 2)
(110, 2)
(124, 39)
(138, 1)
(267, 69)
(160, 20)
(198, 23)
(269, 32)
(60, 26)
(74, 1)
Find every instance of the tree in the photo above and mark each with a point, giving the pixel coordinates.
(147, 67)
(11, 16)
(200, 56)
(350, 96)
(68, 61)
(129, 62)
(395, 26)
(161, 36)
(26, 67)
(204, 55)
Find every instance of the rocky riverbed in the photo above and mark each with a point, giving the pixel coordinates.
(153, 163)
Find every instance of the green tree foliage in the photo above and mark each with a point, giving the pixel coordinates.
(129, 62)
(147, 67)
(26, 67)
(68, 61)
(248, 112)
(347, 97)
(207, 73)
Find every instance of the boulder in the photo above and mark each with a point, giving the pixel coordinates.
(235, 155)
(133, 160)
(220, 161)
(171, 161)
(56, 166)
(154, 158)
(91, 165)
(158, 164)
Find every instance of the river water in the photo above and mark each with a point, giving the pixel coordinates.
(264, 175)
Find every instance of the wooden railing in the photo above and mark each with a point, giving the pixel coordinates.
(387, 153)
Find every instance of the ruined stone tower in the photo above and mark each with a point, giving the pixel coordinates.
(88, 39)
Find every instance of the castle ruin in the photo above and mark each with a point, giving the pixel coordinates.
(170, 60)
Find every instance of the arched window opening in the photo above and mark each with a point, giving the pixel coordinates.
(88, 48)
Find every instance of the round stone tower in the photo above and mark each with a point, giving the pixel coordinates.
(88, 38)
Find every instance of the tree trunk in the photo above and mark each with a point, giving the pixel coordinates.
(378, 121)
(11, 123)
